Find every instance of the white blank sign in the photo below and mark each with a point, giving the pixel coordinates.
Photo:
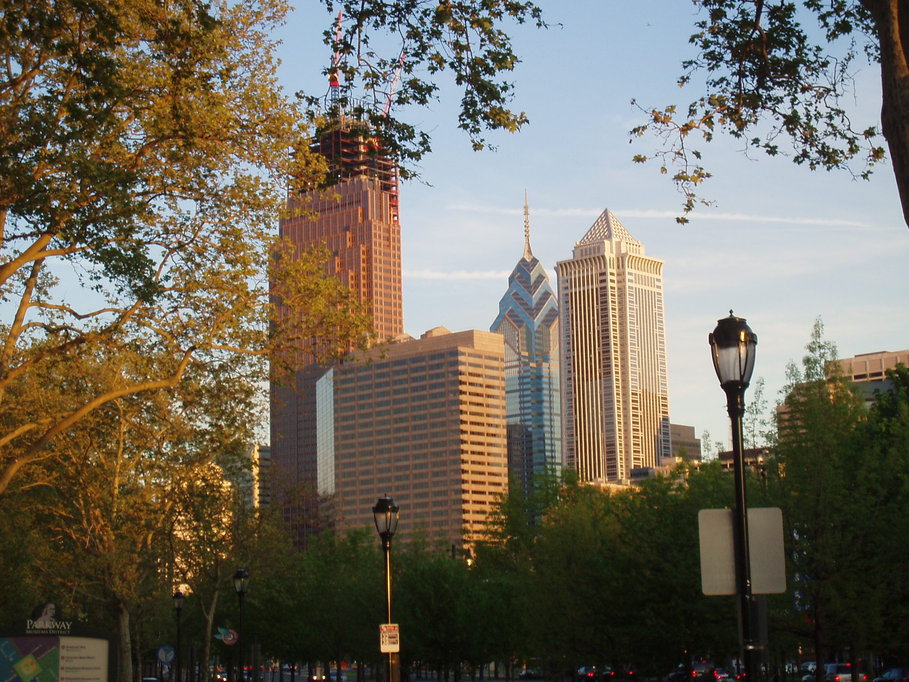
(768, 561)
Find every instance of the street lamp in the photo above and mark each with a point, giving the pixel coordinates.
(732, 346)
(385, 515)
(241, 581)
(178, 608)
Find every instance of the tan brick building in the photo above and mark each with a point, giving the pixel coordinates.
(424, 422)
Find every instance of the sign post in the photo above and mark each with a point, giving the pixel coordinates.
(389, 638)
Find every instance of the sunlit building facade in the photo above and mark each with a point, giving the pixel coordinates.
(528, 320)
(615, 395)
(422, 420)
(357, 220)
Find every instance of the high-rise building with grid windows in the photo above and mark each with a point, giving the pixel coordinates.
(529, 320)
(357, 220)
(422, 420)
(615, 396)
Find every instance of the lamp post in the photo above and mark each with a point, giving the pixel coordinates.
(732, 346)
(241, 581)
(178, 608)
(385, 515)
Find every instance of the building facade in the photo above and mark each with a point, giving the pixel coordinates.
(528, 320)
(615, 396)
(357, 220)
(869, 370)
(424, 422)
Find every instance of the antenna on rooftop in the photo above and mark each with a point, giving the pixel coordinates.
(394, 84)
(334, 84)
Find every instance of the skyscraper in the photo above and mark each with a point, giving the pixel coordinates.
(358, 221)
(615, 394)
(422, 420)
(529, 320)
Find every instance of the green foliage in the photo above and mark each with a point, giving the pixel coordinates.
(466, 39)
(780, 85)
(144, 157)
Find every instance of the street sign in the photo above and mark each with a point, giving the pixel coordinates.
(389, 638)
(768, 560)
(166, 653)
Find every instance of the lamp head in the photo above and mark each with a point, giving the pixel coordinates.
(385, 515)
(178, 600)
(241, 581)
(732, 347)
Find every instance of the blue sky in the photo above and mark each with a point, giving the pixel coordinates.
(782, 246)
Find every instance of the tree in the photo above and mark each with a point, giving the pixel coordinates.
(427, 39)
(145, 151)
(120, 499)
(778, 84)
(826, 504)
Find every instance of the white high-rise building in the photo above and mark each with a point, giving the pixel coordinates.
(615, 395)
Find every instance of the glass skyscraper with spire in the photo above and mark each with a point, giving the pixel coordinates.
(529, 320)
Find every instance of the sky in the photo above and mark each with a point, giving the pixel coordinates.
(781, 246)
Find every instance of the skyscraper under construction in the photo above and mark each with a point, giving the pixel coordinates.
(357, 219)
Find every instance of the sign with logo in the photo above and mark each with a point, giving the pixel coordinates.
(228, 636)
(389, 638)
(166, 654)
(47, 646)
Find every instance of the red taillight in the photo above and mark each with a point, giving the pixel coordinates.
(694, 673)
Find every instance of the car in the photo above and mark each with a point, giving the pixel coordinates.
(702, 670)
(894, 675)
(720, 675)
(530, 674)
(842, 672)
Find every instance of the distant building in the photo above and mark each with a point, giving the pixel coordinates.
(424, 422)
(529, 321)
(263, 474)
(869, 370)
(685, 444)
(358, 221)
(615, 396)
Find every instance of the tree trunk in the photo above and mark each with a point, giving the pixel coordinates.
(891, 17)
(206, 638)
(126, 653)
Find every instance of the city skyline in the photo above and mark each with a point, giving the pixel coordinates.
(782, 246)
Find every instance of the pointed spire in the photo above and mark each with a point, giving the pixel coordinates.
(528, 254)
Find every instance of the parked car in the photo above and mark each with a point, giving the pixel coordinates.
(702, 670)
(894, 675)
(531, 674)
(680, 674)
(592, 673)
(842, 672)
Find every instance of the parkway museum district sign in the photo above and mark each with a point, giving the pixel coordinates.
(50, 648)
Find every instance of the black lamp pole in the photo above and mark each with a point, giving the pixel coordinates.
(732, 346)
(241, 581)
(178, 608)
(385, 515)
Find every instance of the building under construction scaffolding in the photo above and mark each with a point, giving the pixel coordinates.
(358, 221)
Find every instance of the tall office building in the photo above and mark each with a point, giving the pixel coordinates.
(529, 321)
(615, 396)
(424, 422)
(358, 221)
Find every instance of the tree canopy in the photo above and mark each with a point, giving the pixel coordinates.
(777, 75)
(145, 150)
